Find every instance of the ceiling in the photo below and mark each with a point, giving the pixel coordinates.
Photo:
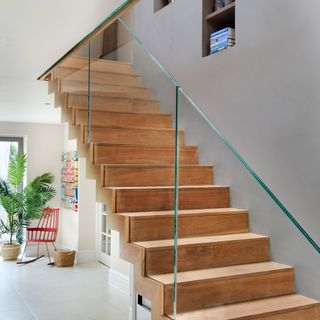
(33, 35)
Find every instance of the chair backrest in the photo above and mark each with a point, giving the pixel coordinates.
(49, 219)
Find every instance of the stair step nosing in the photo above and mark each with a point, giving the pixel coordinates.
(153, 114)
(185, 187)
(116, 98)
(171, 215)
(195, 276)
(92, 127)
(199, 241)
(154, 166)
(107, 85)
(252, 305)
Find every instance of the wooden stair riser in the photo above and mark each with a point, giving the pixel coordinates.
(133, 136)
(212, 292)
(107, 90)
(136, 200)
(122, 120)
(98, 77)
(133, 176)
(113, 104)
(97, 65)
(190, 225)
(122, 154)
(204, 256)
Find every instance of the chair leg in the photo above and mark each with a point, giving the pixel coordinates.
(54, 246)
(48, 252)
(38, 249)
(21, 262)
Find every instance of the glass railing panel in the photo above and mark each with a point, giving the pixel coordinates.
(160, 139)
(135, 101)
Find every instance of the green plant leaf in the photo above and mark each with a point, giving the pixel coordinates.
(23, 206)
(16, 170)
(4, 188)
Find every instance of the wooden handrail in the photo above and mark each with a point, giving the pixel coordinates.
(111, 18)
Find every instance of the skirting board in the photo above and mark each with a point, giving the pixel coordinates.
(86, 256)
(119, 281)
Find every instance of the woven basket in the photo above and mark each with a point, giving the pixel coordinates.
(64, 258)
(10, 251)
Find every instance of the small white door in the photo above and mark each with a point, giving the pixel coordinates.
(104, 235)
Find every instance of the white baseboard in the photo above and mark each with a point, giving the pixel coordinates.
(119, 281)
(86, 256)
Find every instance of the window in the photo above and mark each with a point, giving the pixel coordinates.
(9, 148)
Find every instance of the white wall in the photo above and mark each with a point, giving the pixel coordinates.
(43, 144)
(78, 229)
(33, 36)
(263, 95)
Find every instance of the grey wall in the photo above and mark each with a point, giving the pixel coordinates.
(263, 95)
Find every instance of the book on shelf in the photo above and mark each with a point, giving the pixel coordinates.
(228, 30)
(221, 45)
(222, 39)
(218, 49)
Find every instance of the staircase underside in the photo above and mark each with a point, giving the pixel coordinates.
(224, 271)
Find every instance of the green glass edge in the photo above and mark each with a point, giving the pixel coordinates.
(176, 204)
(89, 92)
(227, 143)
(83, 40)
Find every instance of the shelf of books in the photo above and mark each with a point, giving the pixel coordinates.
(218, 26)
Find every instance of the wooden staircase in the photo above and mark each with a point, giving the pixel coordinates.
(224, 271)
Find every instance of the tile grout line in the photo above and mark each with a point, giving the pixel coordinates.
(25, 303)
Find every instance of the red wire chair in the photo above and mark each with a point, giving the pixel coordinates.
(45, 232)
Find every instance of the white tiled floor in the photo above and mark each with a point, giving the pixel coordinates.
(38, 291)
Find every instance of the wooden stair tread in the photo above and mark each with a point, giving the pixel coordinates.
(169, 213)
(119, 98)
(253, 309)
(149, 147)
(74, 70)
(221, 272)
(114, 98)
(85, 60)
(100, 94)
(169, 187)
(151, 165)
(66, 81)
(96, 85)
(133, 113)
(200, 240)
(133, 128)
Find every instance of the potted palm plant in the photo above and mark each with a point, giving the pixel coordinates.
(22, 205)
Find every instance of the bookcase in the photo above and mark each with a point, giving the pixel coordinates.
(159, 4)
(213, 21)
